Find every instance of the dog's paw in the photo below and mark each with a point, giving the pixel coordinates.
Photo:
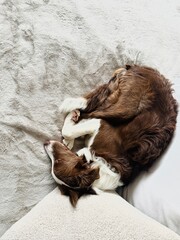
(68, 143)
(75, 116)
(85, 152)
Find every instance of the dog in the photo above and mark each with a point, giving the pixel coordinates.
(128, 123)
(82, 172)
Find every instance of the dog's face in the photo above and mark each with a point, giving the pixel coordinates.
(74, 174)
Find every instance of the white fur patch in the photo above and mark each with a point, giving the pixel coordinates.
(109, 180)
(85, 152)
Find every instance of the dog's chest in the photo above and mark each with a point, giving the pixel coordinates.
(109, 179)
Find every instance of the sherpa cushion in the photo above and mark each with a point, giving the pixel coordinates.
(103, 216)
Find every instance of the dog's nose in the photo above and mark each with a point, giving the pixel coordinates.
(47, 143)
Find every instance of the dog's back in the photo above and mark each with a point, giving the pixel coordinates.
(133, 141)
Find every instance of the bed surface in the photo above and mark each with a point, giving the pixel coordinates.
(54, 49)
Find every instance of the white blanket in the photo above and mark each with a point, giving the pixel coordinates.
(53, 49)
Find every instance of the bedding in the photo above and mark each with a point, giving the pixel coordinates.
(50, 50)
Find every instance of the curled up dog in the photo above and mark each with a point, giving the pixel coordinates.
(127, 124)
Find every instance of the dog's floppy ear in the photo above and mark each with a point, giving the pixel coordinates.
(89, 177)
(74, 194)
(82, 163)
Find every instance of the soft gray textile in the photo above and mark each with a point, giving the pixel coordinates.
(53, 49)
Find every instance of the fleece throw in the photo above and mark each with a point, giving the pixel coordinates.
(50, 50)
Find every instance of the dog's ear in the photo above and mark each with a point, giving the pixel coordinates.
(84, 181)
(89, 177)
(72, 194)
(82, 163)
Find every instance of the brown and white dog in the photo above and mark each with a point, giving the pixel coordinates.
(128, 123)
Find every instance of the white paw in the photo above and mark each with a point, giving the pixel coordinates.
(68, 143)
(85, 152)
(70, 104)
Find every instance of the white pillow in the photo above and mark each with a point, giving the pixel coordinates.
(157, 192)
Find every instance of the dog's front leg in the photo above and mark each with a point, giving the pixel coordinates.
(72, 130)
(67, 129)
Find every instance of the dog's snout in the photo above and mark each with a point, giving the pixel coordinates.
(47, 143)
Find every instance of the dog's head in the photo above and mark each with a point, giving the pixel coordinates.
(74, 174)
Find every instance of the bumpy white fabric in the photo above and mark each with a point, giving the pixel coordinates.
(52, 49)
(105, 216)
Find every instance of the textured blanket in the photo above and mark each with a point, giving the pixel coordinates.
(102, 217)
(50, 50)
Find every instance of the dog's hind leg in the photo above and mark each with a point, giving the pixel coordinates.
(70, 104)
